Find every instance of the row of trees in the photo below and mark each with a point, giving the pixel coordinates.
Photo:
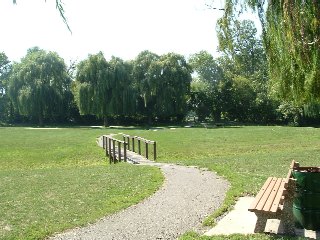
(235, 86)
(42, 88)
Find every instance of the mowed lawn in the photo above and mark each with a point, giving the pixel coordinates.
(52, 180)
(246, 156)
(55, 179)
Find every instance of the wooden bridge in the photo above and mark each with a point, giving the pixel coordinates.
(130, 149)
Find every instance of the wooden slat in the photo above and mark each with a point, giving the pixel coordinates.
(294, 165)
(287, 179)
(260, 194)
(278, 197)
(273, 193)
(266, 194)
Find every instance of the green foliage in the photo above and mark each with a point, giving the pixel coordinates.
(4, 100)
(104, 89)
(206, 67)
(243, 92)
(38, 85)
(205, 99)
(291, 33)
(171, 76)
(200, 99)
(290, 113)
(163, 84)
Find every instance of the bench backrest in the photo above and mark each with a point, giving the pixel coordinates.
(294, 165)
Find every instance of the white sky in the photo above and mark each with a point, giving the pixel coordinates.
(122, 28)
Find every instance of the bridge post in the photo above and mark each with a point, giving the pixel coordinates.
(133, 150)
(125, 151)
(114, 150)
(139, 145)
(119, 151)
(147, 154)
(109, 148)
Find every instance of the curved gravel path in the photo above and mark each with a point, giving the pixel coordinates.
(187, 197)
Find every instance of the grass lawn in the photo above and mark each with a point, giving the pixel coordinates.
(245, 156)
(55, 179)
(52, 180)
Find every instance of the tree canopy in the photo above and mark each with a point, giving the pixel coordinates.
(104, 88)
(38, 84)
(291, 34)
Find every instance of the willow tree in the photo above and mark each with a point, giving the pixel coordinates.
(291, 34)
(4, 100)
(103, 88)
(123, 100)
(142, 80)
(170, 78)
(38, 84)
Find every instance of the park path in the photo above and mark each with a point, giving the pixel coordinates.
(186, 198)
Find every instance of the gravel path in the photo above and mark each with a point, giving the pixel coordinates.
(186, 198)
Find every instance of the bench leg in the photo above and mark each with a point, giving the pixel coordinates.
(261, 222)
(287, 214)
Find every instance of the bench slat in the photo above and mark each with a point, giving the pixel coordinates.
(271, 199)
(260, 194)
(266, 194)
(279, 197)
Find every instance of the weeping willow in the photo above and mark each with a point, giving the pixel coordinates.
(291, 34)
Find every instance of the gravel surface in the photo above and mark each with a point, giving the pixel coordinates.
(187, 197)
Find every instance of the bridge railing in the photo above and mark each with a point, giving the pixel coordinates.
(114, 150)
(139, 145)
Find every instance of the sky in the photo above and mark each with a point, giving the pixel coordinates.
(121, 28)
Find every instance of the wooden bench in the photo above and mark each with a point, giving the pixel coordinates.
(274, 201)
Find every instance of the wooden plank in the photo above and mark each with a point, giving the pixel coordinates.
(294, 165)
(147, 153)
(287, 179)
(266, 194)
(279, 197)
(260, 194)
(271, 198)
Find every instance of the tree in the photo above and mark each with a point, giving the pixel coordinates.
(291, 34)
(4, 100)
(206, 67)
(38, 84)
(104, 88)
(4, 69)
(245, 69)
(200, 99)
(162, 84)
(142, 80)
(170, 79)
(205, 90)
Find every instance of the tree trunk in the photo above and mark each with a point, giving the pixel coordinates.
(41, 120)
(11, 114)
(105, 121)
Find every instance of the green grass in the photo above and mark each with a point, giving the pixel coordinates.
(66, 167)
(52, 180)
(245, 156)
